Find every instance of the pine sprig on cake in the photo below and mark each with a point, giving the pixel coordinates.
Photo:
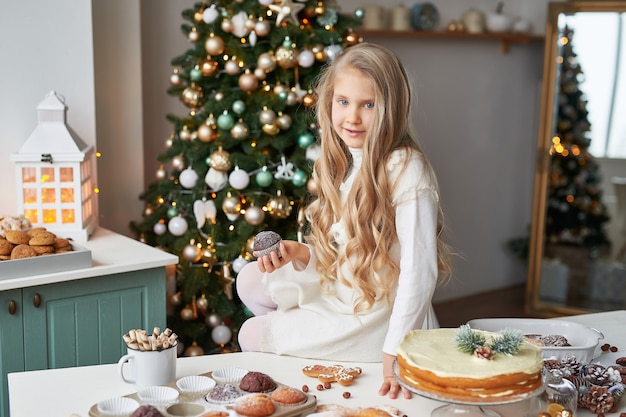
(509, 342)
(467, 340)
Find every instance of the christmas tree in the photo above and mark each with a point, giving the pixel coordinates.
(240, 161)
(576, 214)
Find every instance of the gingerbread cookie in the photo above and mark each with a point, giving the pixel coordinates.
(43, 249)
(316, 370)
(42, 238)
(6, 247)
(22, 252)
(17, 237)
(335, 373)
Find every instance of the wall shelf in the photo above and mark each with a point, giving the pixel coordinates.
(506, 38)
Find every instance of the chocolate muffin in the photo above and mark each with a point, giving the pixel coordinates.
(146, 411)
(266, 242)
(257, 382)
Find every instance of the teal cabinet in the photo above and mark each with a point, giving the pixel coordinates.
(76, 323)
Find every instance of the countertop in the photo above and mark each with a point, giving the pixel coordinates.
(111, 253)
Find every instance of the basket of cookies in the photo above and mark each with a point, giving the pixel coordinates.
(27, 251)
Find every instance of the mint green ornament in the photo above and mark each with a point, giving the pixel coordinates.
(299, 178)
(172, 212)
(305, 140)
(239, 106)
(264, 178)
(225, 121)
(195, 74)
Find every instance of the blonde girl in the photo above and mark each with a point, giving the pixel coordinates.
(374, 254)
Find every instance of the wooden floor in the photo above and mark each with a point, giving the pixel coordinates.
(508, 302)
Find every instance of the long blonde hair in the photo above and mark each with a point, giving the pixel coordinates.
(368, 214)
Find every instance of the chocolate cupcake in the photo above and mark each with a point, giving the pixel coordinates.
(257, 382)
(146, 411)
(265, 242)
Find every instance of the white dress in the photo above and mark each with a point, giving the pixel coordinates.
(310, 324)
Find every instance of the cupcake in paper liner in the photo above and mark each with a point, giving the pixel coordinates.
(266, 242)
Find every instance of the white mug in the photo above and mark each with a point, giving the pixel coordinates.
(149, 367)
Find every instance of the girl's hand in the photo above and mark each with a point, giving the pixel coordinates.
(290, 250)
(390, 383)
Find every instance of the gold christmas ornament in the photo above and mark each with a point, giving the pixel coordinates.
(227, 25)
(311, 186)
(202, 303)
(184, 133)
(231, 205)
(271, 129)
(186, 313)
(192, 96)
(214, 45)
(279, 206)
(193, 35)
(262, 27)
(208, 67)
(232, 67)
(248, 82)
(240, 131)
(220, 160)
(175, 79)
(267, 116)
(206, 133)
(351, 38)
(266, 61)
(309, 99)
(284, 121)
(194, 350)
(318, 51)
(198, 16)
(286, 57)
(260, 74)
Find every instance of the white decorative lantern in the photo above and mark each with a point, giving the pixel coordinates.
(56, 174)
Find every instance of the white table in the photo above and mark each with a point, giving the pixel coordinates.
(64, 392)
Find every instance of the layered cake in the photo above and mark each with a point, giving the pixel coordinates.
(432, 361)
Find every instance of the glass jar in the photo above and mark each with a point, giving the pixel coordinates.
(560, 398)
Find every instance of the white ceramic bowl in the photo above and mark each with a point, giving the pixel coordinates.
(117, 406)
(497, 22)
(229, 375)
(158, 395)
(195, 384)
(583, 340)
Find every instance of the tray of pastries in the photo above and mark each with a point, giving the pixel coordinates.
(233, 392)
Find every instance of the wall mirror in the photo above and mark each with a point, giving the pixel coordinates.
(577, 252)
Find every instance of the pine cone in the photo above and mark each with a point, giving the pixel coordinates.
(598, 399)
(596, 374)
(551, 364)
(484, 352)
(571, 365)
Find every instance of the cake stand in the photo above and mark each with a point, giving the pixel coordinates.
(461, 407)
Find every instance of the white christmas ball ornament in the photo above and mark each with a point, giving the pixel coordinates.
(210, 14)
(221, 334)
(239, 263)
(188, 178)
(306, 58)
(177, 226)
(239, 179)
(159, 228)
(266, 2)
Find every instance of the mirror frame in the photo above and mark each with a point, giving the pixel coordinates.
(533, 305)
